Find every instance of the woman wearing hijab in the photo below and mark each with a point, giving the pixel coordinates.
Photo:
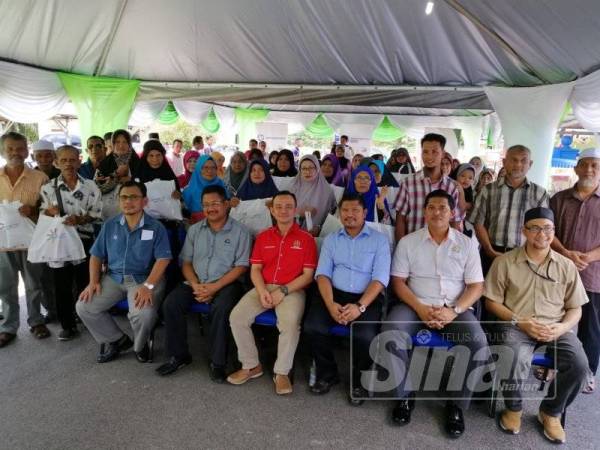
(189, 164)
(220, 161)
(154, 166)
(284, 167)
(258, 184)
(340, 153)
(235, 173)
(313, 193)
(477, 163)
(465, 178)
(273, 160)
(330, 168)
(119, 166)
(402, 164)
(204, 175)
(485, 177)
(362, 182)
(356, 161)
(383, 177)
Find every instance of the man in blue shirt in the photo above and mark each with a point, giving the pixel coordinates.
(96, 150)
(353, 270)
(135, 248)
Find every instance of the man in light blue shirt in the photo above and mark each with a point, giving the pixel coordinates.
(353, 270)
(135, 248)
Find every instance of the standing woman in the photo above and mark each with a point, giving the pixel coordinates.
(220, 161)
(235, 173)
(259, 184)
(345, 165)
(362, 182)
(189, 164)
(403, 163)
(330, 168)
(313, 194)
(204, 175)
(284, 167)
(273, 160)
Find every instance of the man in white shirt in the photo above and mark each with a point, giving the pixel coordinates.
(175, 158)
(436, 286)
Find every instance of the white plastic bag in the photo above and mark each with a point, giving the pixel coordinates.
(338, 191)
(254, 214)
(15, 230)
(54, 241)
(331, 225)
(283, 183)
(387, 230)
(161, 204)
(110, 204)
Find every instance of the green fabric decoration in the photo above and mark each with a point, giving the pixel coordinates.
(211, 122)
(246, 119)
(319, 128)
(386, 131)
(169, 115)
(103, 104)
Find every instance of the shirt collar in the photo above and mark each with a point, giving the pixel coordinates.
(61, 181)
(426, 235)
(140, 225)
(366, 230)
(521, 255)
(574, 192)
(294, 228)
(421, 176)
(501, 182)
(227, 227)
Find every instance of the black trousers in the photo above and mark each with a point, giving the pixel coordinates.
(589, 330)
(175, 310)
(69, 281)
(316, 328)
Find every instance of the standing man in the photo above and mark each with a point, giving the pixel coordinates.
(577, 212)
(96, 149)
(44, 156)
(500, 206)
(210, 143)
(283, 263)
(348, 151)
(538, 294)
(135, 248)
(296, 151)
(198, 144)
(353, 270)
(175, 158)
(436, 275)
(215, 256)
(415, 187)
(20, 183)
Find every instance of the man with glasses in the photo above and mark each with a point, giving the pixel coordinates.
(96, 150)
(215, 256)
(283, 262)
(135, 248)
(538, 295)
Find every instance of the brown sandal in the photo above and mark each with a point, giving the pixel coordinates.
(6, 338)
(40, 331)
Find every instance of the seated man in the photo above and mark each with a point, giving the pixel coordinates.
(540, 294)
(436, 274)
(283, 262)
(135, 248)
(354, 268)
(215, 256)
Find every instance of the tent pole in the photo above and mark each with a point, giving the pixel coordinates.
(109, 42)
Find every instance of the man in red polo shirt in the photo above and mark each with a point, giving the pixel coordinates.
(283, 262)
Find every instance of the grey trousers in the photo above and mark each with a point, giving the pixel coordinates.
(570, 361)
(11, 263)
(103, 327)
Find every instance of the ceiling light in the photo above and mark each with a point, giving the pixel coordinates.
(429, 8)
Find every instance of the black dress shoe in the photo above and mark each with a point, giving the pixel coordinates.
(455, 423)
(114, 349)
(357, 395)
(143, 355)
(323, 386)
(173, 365)
(401, 412)
(217, 373)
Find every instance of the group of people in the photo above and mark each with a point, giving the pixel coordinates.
(533, 266)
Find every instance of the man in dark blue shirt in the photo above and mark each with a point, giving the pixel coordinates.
(96, 150)
(135, 248)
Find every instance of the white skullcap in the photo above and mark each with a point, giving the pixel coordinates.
(589, 153)
(42, 145)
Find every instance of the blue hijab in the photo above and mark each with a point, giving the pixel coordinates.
(251, 191)
(370, 196)
(192, 194)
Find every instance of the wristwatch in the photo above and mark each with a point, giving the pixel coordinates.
(458, 310)
(514, 321)
(284, 290)
(362, 308)
(149, 286)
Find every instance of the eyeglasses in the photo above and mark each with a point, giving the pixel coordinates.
(209, 167)
(214, 204)
(536, 230)
(124, 198)
(365, 179)
(308, 169)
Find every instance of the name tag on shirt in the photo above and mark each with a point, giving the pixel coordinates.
(147, 235)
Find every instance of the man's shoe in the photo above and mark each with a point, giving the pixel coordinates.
(40, 331)
(217, 373)
(553, 429)
(401, 412)
(173, 365)
(67, 335)
(114, 349)
(357, 396)
(322, 387)
(455, 422)
(143, 355)
(510, 421)
(243, 375)
(283, 385)
(6, 338)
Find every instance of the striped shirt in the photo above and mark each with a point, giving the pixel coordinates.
(500, 208)
(411, 198)
(26, 189)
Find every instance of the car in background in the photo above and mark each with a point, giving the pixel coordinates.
(59, 139)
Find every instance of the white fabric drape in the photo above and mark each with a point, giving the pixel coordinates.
(146, 112)
(529, 116)
(585, 101)
(191, 111)
(29, 95)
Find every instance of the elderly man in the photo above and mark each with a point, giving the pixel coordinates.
(135, 248)
(577, 212)
(538, 294)
(96, 149)
(19, 183)
(44, 156)
(436, 275)
(353, 270)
